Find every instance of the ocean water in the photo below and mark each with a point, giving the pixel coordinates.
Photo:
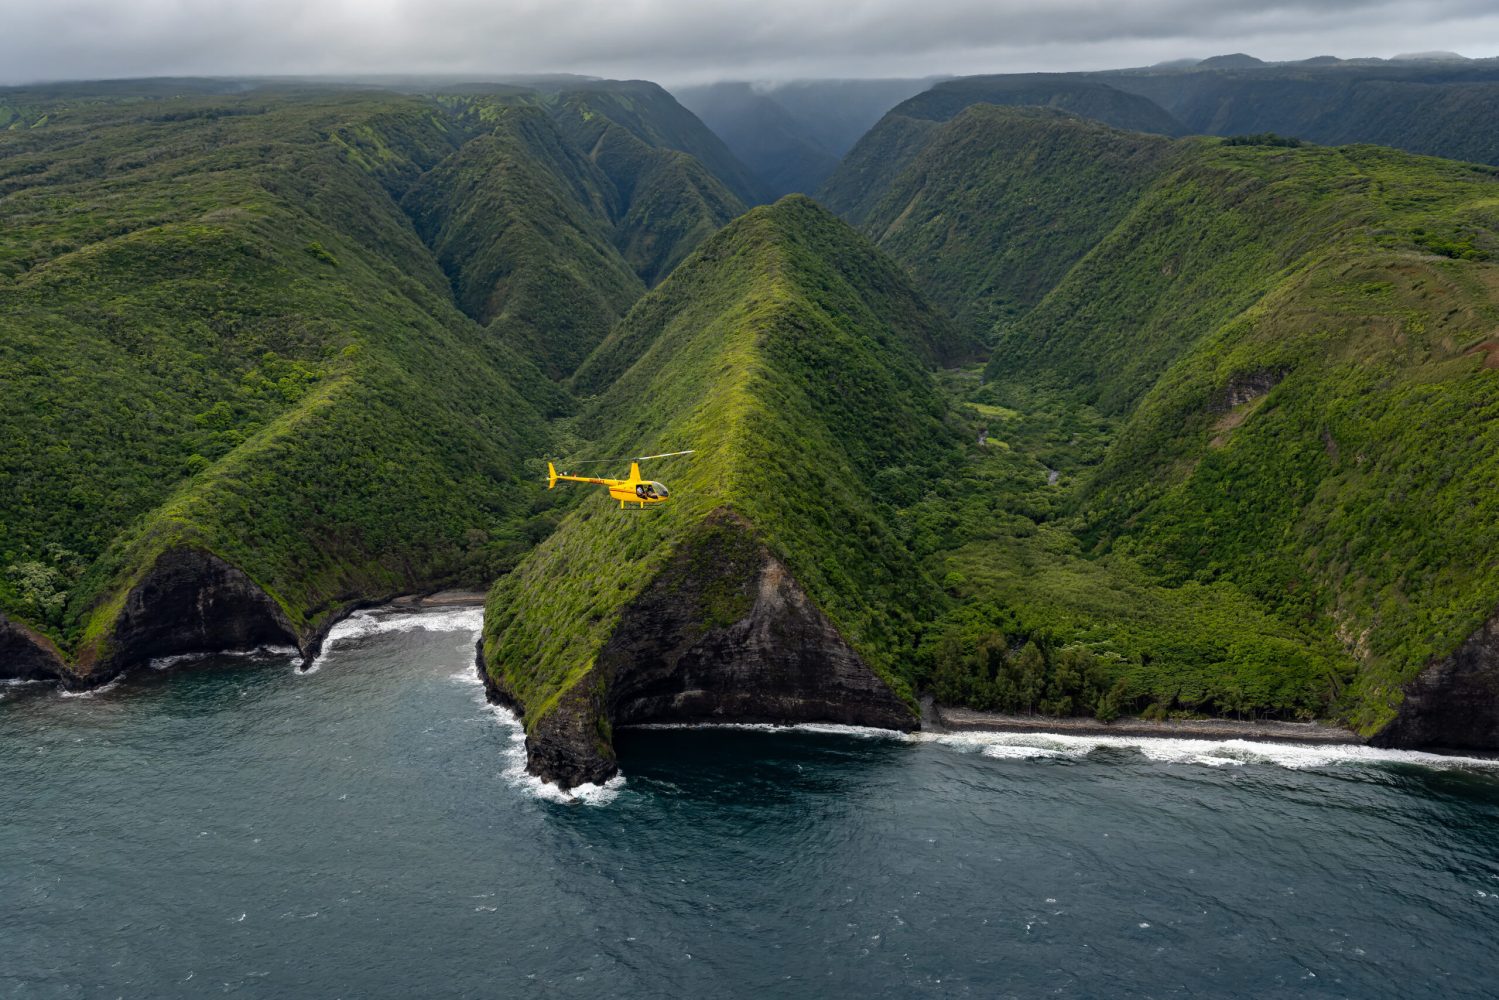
(233, 827)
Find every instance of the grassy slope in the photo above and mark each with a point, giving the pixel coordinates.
(669, 201)
(1356, 495)
(522, 221)
(1204, 242)
(888, 149)
(223, 329)
(874, 164)
(776, 351)
(654, 117)
(553, 219)
(1347, 503)
(991, 243)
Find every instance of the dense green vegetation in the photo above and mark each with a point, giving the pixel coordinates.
(991, 243)
(553, 218)
(220, 326)
(218, 330)
(1039, 624)
(887, 150)
(1290, 341)
(775, 351)
(1232, 451)
(655, 118)
(521, 222)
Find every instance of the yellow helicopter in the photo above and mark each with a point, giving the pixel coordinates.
(634, 489)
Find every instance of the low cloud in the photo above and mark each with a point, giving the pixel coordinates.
(699, 40)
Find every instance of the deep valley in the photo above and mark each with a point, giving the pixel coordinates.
(1048, 395)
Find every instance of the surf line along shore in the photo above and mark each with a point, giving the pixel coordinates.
(939, 718)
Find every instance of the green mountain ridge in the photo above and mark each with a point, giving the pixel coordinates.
(888, 149)
(775, 352)
(1082, 96)
(1432, 107)
(273, 353)
(228, 351)
(553, 220)
(208, 372)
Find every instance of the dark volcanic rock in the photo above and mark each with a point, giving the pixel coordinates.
(723, 634)
(1453, 703)
(726, 634)
(192, 601)
(26, 655)
(571, 745)
(1245, 387)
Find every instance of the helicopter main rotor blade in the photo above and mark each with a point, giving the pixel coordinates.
(667, 454)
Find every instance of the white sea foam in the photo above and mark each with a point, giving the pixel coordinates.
(378, 621)
(91, 692)
(1171, 750)
(1018, 753)
(259, 652)
(830, 728)
(1209, 752)
(516, 775)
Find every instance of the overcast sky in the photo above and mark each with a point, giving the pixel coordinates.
(684, 41)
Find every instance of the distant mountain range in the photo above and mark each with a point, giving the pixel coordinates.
(1437, 102)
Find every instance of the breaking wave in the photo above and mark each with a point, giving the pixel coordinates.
(515, 772)
(379, 621)
(1208, 752)
(1165, 749)
(259, 652)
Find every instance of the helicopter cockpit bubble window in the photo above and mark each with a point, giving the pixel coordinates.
(659, 489)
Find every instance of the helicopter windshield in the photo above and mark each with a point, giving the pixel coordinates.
(659, 489)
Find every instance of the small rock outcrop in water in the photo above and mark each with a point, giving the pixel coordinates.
(1454, 703)
(723, 634)
(190, 601)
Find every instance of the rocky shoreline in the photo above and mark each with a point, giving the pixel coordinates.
(191, 604)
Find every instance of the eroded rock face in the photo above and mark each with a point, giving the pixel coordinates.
(781, 662)
(723, 634)
(26, 655)
(1246, 387)
(192, 601)
(1453, 703)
